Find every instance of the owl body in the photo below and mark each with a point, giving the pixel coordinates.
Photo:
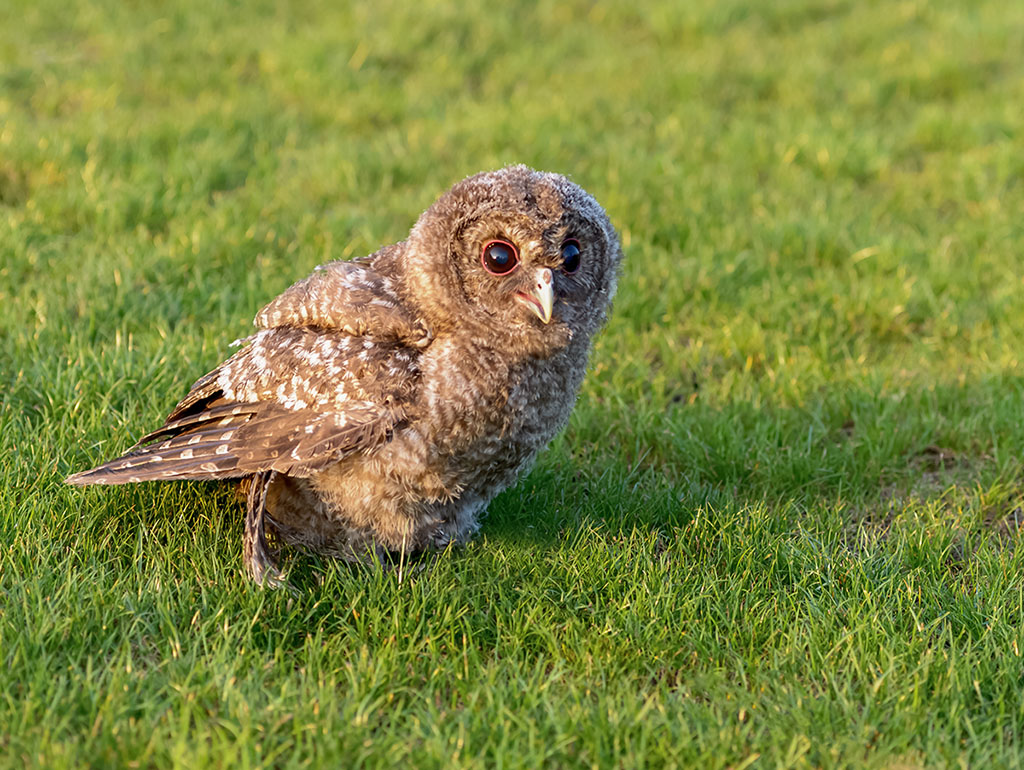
(426, 489)
(384, 402)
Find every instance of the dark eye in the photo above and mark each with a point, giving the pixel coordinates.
(499, 257)
(571, 256)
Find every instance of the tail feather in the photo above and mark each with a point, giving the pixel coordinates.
(203, 453)
(198, 461)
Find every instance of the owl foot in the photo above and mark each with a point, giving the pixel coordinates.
(259, 563)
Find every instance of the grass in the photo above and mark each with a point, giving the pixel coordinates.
(781, 529)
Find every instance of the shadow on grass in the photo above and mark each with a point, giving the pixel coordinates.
(851, 463)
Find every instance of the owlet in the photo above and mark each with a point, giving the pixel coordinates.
(383, 402)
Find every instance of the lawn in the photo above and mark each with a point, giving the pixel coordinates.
(782, 527)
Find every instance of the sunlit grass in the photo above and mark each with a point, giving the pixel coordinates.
(782, 526)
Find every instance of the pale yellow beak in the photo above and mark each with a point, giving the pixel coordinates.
(541, 296)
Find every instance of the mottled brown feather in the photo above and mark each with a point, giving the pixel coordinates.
(350, 297)
(251, 414)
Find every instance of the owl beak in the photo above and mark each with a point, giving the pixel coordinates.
(541, 296)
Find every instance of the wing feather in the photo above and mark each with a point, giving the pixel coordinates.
(294, 400)
(351, 297)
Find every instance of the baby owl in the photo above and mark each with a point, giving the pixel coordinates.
(383, 402)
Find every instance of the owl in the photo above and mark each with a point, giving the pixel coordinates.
(383, 402)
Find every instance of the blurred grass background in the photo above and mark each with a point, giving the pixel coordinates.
(781, 528)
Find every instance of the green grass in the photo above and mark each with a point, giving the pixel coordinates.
(782, 527)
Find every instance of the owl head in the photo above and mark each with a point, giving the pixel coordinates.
(517, 256)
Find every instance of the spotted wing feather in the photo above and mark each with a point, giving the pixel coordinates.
(293, 400)
(351, 297)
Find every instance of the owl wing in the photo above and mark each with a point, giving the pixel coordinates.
(295, 399)
(351, 297)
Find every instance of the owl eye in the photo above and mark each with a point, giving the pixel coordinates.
(499, 257)
(571, 255)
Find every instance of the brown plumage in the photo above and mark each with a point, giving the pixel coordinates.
(384, 402)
